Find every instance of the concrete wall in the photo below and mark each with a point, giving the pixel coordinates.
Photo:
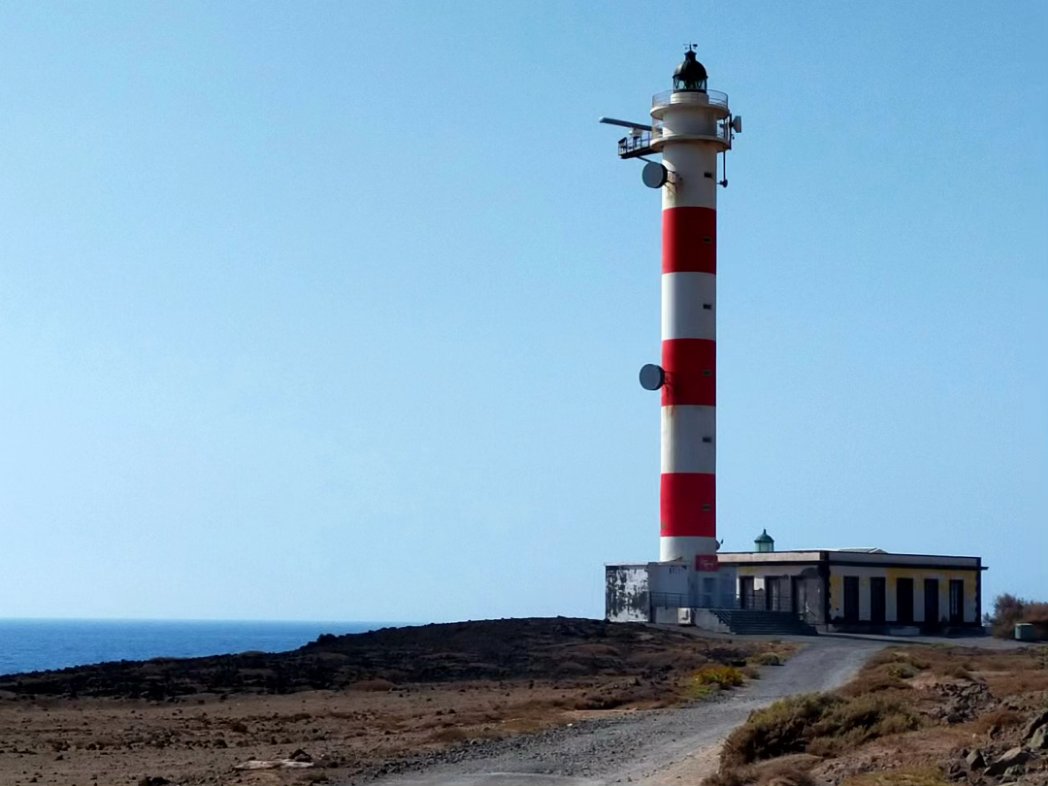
(627, 593)
(671, 578)
(707, 620)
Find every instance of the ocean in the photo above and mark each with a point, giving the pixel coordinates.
(33, 645)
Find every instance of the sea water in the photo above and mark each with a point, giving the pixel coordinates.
(33, 645)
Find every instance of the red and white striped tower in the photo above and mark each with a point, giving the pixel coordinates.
(693, 123)
(690, 126)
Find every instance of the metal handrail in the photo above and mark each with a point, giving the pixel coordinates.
(669, 600)
(716, 97)
(678, 600)
(642, 140)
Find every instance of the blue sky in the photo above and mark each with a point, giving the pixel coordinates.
(334, 310)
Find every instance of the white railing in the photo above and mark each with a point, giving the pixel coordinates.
(715, 97)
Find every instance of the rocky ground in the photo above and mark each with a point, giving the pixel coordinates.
(343, 708)
(559, 701)
(914, 716)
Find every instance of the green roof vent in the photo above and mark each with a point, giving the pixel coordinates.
(764, 542)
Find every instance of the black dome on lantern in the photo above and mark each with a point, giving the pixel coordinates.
(691, 74)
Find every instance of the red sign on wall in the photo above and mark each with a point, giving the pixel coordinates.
(706, 562)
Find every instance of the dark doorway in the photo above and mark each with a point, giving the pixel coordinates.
(904, 601)
(795, 594)
(746, 592)
(878, 600)
(931, 603)
(851, 598)
(772, 594)
(956, 602)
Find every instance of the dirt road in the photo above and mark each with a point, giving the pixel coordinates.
(654, 748)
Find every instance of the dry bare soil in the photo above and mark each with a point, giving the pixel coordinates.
(914, 716)
(346, 708)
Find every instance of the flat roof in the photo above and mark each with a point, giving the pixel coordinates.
(861, 556)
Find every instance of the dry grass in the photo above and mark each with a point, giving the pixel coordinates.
(711, 679)
(920, 777)
(995, 721)
(788, 772)
(769, 658)
(910, 713)
(822, 724)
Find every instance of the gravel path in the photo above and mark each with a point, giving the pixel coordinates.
(653, 748)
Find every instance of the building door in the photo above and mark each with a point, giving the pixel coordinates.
(931, 602)
(851, 598)
(904, 601)
(795, 592)
(746, 592)
(878, 600)
(956, 601)
(771, 596)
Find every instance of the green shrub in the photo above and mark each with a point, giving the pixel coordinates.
(712, 679)
(723, 677)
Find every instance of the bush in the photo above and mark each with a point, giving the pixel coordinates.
(723, 677)
(817, 723)
(1009, 611)
(774, 774)
(784, 727)
(710, 679)
(767, 659)
(859, 720)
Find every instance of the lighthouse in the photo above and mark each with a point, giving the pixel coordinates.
(691, 130)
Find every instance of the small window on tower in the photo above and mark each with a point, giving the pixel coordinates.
(708, 306)
(707, 239)
(707, 507)
(707, 373)
(707, 440)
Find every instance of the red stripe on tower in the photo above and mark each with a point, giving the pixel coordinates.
(689, 240)
(688, 505)
(691, 372)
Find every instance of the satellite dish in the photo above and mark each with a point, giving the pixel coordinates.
(652, 377)
(736, 124)
(654, 175)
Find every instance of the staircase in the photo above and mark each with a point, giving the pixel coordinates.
(749, 622)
